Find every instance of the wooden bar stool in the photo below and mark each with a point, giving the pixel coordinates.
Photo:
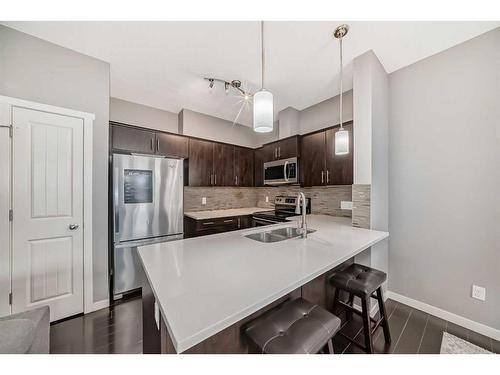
(299, 327)
(363, 282)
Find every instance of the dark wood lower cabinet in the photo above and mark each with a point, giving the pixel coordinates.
(233, 339)
(195, 228)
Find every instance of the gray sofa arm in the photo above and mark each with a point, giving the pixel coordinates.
(26, 332)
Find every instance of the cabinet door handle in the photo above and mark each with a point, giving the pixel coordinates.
(276, 153)
(157, 144)
(208, 223)
(322, 177)
(236, 180)
(279, 152)
(152, 147)
(228, 221)
(215, 181)
(211, 179)
(327, 176)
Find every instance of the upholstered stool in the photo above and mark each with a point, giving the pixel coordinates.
(298, 327)
(363, 282)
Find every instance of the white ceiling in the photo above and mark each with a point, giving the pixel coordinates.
(162, 64)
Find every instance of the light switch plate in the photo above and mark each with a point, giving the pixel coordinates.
(345, 205)
(478, 292)
(204, 200)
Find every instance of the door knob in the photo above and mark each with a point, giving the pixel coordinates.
(73, 226)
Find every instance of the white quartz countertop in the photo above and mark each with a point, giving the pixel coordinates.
(205, 284)
(214, 214)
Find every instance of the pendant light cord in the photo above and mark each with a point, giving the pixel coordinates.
(341, 87)
(263, 53)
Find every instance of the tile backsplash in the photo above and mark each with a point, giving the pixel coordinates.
(361, 205)
(218, 198)
(324, 199)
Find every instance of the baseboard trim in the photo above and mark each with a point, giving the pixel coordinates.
(446, 315)
(99, 305)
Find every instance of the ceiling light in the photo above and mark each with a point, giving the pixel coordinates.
(211, 84)
(226, 87)
(263, 111)
(342, 135)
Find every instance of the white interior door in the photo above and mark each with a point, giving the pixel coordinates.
(47, 201)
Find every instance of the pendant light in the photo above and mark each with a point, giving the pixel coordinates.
(342, 135)
(263, 111)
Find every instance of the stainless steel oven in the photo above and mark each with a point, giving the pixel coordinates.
(284, 171)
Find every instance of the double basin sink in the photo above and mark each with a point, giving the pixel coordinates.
(277, 235)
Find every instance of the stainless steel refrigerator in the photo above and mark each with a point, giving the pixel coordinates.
(147, 208)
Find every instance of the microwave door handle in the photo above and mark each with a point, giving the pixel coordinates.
(285, 174)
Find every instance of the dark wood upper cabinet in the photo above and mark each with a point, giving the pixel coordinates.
(172, 145)
(223, 168)
(283, 149)
(133, 139)
(312, 161)
(259, 167)
(201, 161)
(339, 167)
(243, 166)
(288, 148)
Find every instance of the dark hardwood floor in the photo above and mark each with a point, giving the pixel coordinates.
(114, 330)
(118, 329)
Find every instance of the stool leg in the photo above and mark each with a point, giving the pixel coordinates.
(336, 300)
(350, 302)
(367, 325)
(330, 346)
(383, 315)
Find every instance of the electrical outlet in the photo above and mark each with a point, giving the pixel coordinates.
(478, 292)
(345, 205)
(267, 199)
(204, 200)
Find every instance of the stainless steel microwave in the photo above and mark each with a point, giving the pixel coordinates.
(284, 171)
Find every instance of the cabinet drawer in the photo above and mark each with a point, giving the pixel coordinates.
(219, 224)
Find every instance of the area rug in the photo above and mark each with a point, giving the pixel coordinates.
(455, 345)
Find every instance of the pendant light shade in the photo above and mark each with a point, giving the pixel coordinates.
(263, 117)
(342, 135)
(342, 142)
(263, 107)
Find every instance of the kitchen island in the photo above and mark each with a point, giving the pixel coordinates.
(204, 290)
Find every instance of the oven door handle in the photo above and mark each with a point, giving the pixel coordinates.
(258, 219)
(285, 174)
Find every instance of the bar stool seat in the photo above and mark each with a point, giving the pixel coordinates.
(365, 283)
(358, 280)
(298, 327)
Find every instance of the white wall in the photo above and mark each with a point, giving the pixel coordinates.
(326, 113)
(208, 127)
(289, 122)
(445, 179)
(371, 151)
(140, 115)
(362, 104)
(39, 71)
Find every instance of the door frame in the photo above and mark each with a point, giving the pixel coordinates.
(6, 106)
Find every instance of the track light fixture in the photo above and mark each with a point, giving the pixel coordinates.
(235, 84)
